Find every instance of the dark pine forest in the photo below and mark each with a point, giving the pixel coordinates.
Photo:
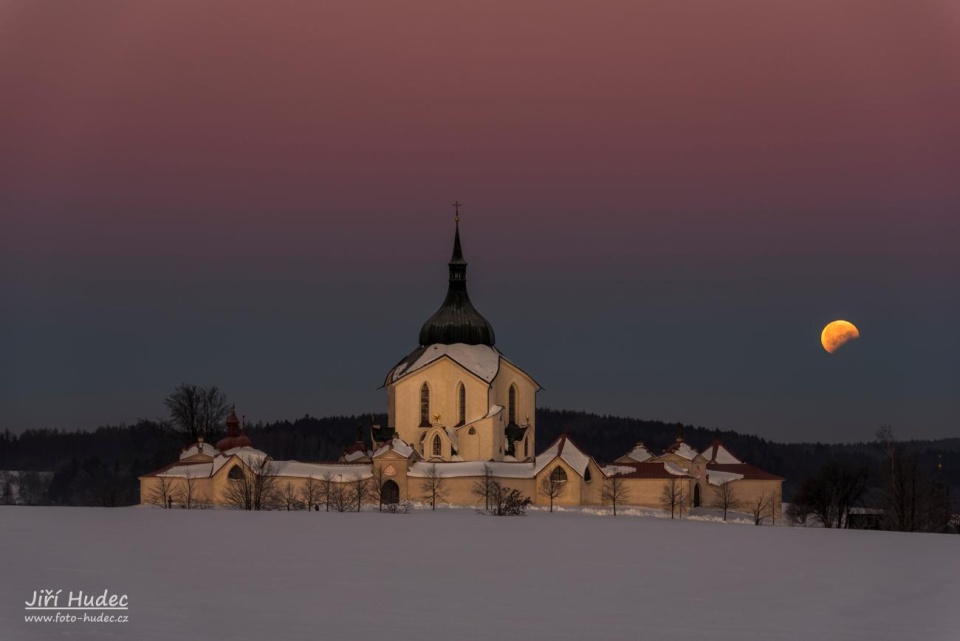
(101, 467)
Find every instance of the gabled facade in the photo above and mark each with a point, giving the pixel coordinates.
(456, 397)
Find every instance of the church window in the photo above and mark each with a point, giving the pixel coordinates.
(235, 473)
(437, 451)
(462, 401)
(586, 475)
(472, 431)
(512, 405)
(558, 475)
(424, 406)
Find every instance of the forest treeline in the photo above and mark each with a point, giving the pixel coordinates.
(101, 467)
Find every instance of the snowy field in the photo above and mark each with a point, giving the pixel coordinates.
(454, 574)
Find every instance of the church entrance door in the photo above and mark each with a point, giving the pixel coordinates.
(390, 492)
(696, 496)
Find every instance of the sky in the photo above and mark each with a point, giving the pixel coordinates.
(664, 203)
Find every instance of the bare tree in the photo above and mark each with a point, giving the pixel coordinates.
(772, 507)
(759, 507)
(255, 489)
(907, 493)
(673, 497)
(340, 497)
(162, 492)
(433, 485)
(360, 490)
(188, 494)
(376, 486)
(197, 411)
(552, 485)
(724, 498)
(484, 485)
(288, 497)
(615, 490)
(832, 492)
(311, 492)
(327, 489)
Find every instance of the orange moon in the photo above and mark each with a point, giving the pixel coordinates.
(837, 334)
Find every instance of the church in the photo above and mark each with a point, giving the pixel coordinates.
(460, 411)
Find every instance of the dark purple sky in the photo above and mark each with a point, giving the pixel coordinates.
(664, 204)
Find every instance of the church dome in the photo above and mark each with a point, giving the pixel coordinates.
(236, 437)
(457, 320)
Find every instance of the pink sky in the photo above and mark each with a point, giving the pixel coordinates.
(154, 140)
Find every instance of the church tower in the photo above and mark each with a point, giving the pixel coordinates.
(456, 397)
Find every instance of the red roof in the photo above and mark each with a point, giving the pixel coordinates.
(230, 442)
(748, 471)
(356, 447)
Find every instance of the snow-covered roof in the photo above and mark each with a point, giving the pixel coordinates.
(616, 470)
(715, 477)
(640, 453)
(453, 435)
(567, 451)
(188, 471)
(717, 452)
(249, 455)
(501, 469)
(338, 473)
(645, 470)
(349, 457)
(674, 469)
(199, 448)
(682, 450)
(398, 445)
(481, 360)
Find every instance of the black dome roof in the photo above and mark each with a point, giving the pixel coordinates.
(457, 320)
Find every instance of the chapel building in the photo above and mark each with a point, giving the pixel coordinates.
(458, 408)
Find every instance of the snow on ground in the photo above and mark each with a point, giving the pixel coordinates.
(455, 574)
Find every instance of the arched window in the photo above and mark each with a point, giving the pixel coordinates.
(462, 403)
(424, 406)
(437, 445)
(472, 431)
(586, 475)
(235, 473)
(512, 405)
(558, 475)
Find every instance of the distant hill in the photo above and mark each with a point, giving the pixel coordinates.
(101, 467)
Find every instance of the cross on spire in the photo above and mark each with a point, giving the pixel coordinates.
(456, 209)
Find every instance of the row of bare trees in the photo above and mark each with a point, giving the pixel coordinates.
(761, 508)
(902, 494)
(169, 492)
(258, 487)
(913, 498)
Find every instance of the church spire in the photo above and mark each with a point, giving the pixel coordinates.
(457, 321)
(457, 257)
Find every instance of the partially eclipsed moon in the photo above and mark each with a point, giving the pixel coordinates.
(838, 333)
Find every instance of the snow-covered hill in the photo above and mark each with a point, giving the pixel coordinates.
(454, 574)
